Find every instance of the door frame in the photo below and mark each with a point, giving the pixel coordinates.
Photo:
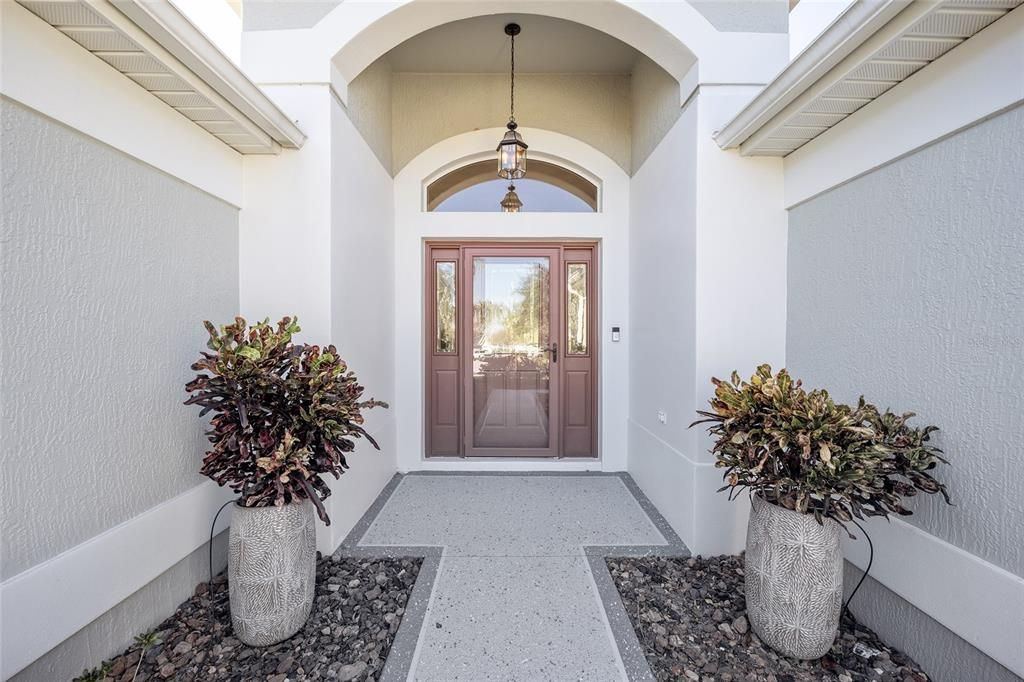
(448, 248)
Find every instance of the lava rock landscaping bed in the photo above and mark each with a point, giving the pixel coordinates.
(358, 607)
(689, 615)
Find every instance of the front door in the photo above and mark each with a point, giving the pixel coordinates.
(510, 351)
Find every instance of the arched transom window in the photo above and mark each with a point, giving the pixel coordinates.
(547, 187)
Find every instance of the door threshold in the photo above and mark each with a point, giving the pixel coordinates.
(506, 464)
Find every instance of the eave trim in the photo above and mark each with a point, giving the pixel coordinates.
(854, 26)
(165, 23)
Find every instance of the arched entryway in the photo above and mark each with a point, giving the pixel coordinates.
(673, 39)
(601, 235)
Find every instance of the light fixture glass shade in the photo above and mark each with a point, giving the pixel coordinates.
(511, 203)
(512, 155)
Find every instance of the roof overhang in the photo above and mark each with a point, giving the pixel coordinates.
(870, 48)
(154, 44)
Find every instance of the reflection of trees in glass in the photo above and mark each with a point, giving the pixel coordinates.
(445, 311)
(528, 320)
(488, 320)
(518, 322)
(576, 316)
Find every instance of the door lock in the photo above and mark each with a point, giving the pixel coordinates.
(553, 349)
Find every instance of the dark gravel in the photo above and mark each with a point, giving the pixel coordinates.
(358, 607)
(689, 615)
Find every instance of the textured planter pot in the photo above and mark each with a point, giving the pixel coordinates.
(271, 571)
(794, 580)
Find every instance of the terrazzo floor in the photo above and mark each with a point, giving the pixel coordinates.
(518, 589)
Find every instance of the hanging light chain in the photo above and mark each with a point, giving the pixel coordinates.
(512, 86)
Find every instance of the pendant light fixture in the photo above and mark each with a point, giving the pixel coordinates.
(512, 148)
(511, 203)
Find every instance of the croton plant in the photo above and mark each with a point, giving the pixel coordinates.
(805, 452)
(285, 414)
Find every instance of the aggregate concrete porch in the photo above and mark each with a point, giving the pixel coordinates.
(514, 585)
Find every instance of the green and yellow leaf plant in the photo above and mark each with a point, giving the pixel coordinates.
(284, 414)
(803, 451)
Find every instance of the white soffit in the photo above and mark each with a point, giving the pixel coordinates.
(153, 44)
(869, 49)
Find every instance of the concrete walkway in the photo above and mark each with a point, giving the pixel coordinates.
(514, 584)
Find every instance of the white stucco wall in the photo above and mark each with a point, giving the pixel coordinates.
(284, 254)
(316, 242)
(362, 309)
(708, 295)
(906, 285)
(741, 290)
(663, 215)
(809, 18)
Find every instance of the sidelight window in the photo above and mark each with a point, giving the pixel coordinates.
(445, 309)
(576, 308)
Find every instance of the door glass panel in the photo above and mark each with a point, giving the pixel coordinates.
(444, 310)
(576, 309)
(511, 363)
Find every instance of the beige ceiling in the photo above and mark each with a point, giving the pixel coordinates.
(546, 45)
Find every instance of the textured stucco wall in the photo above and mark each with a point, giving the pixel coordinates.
(267, 15)
(906, 285)
(655, 108)
(401, 114)
(755, 16)
(429, 108)
(108, 269)
(369, 109)
(749, 16)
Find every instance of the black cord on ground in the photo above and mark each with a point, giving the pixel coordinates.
(871, 559)
(212, 526)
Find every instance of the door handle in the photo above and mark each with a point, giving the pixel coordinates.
(553, 349)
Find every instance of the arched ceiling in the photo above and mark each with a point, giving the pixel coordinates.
(573, 78)
(364, 38)
(546, 45)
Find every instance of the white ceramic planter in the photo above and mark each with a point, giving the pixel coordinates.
(271, 571)
(794, 580)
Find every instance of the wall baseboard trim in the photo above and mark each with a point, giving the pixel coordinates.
(979, 601)
(51, 601)
(666, 476)
(685, 492)
(650, 434)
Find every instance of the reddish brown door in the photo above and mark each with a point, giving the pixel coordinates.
(510, 350)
